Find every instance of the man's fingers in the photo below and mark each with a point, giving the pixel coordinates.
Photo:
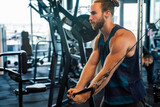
(70, 93)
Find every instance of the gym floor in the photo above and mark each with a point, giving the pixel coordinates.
(9, 99)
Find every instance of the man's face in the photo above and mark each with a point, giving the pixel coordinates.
(96, 18)
(148, 61)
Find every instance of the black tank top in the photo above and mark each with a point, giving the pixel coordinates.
(126, 85)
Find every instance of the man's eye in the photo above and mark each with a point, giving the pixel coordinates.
(93, 13)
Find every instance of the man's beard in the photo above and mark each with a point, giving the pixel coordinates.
(99, 24)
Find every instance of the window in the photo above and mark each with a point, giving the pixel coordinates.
(84, 8)
(15, 15)
(131, 17)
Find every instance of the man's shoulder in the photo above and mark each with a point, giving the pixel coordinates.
(124, 33)
(123, 36)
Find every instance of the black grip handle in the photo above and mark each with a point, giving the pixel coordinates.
(83, 91)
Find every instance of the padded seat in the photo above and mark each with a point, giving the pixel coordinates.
(39, 87)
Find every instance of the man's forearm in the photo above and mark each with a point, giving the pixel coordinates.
(86, 76)
(100, 81)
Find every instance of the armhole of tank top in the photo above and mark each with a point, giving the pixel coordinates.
(132, 55)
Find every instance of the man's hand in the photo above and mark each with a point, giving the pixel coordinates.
(79, 99)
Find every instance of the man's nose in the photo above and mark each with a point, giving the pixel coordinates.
(90, 18)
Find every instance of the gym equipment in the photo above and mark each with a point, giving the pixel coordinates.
(25, 43)
(81, 34)
(87, 33)
(156, 93)
(21, 69)
(156, 86)
(17, 76)
(32, 62)
(51, 12)
(152, 33)
(85, 30)
(36, 60)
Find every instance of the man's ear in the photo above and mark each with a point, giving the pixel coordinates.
(107, 13)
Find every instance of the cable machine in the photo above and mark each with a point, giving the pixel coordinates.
(81, 30)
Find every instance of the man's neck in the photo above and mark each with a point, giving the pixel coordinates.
(106, 30)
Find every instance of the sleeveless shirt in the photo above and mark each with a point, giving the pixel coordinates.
(125, 85)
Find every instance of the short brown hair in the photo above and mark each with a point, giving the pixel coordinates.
(149, 56)
(108, 5)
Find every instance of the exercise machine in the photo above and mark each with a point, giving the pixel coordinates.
(80, 29)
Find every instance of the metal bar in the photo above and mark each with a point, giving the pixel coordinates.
(20, 82)
(76, 8)
(54, 61)
(81, 48)
(52, 77)
(69, 16)
(49, 51)
(45, 8)
(12, 53)
(140, 31)
(66, 13)
(122, 13)
(66, 50)
(35, 63)
(37, 11)
(31, 24)
(147, 38)
(69, 4)
(35, 58)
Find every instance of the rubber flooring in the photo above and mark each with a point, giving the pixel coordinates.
(9, 99)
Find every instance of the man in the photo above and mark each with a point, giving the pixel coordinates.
(148, 63)
(114, 47)
(147, 60)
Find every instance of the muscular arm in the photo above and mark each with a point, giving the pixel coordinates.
(87, 74)
(119, 47)
(89, 69)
